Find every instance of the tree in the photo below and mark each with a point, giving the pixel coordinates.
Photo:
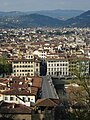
(5, 66)
(61, 112)
(79, 96)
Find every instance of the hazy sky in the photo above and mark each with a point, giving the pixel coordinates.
(32, 5)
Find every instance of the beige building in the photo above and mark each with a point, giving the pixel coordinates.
(24, 67)
(80, 64)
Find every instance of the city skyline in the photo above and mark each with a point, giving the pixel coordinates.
(33, 5)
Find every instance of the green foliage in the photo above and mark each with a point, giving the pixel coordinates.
(5, 66)
(78, 114)
(82, 93)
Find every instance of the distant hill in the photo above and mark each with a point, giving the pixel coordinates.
(32, 20)
(59, 14)
(82, 20)
(36, 20)
(12, 13)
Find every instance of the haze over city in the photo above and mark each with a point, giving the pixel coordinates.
(33, 5)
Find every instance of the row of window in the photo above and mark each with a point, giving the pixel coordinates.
(23, 71)
(65, 64)
(57, 73)
(57, 69)
(25, 62)
(29, 56)
(16, 66)
(16, 99)
(23, 74)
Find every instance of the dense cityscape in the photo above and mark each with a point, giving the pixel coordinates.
(44, 72)
(45, 60)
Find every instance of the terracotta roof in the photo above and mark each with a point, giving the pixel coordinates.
(56, 58)
(2, 87)
(20, 86)
(47, 102)
(75, 58)
(34, 90)
(37, 82)
(12, 108)
(4, 80)
(39, 43)
(18, 92)
(26, 60)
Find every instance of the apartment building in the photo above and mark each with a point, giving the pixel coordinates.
(18, 97)
(57, 66)
(24, 67)
(80, 64)
(72, 66)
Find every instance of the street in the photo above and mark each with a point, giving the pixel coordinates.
(48, 90)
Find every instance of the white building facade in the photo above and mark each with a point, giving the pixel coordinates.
(18, 99)
(57, 67)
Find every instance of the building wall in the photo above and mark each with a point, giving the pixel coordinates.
(14, 99)
(40, 53)
(22, 117)
(72, 66)
(83, 66)
(57, 67)
(65, 67)
(79, 64)
(24, 68)
(28, 56)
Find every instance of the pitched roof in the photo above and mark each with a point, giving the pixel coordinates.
(37, 82)
(12, 108)
(19, 92)
(47, 102)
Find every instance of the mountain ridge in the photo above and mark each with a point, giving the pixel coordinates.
(32, 20)
(57, 13)
(83, 20)
(37, 20)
